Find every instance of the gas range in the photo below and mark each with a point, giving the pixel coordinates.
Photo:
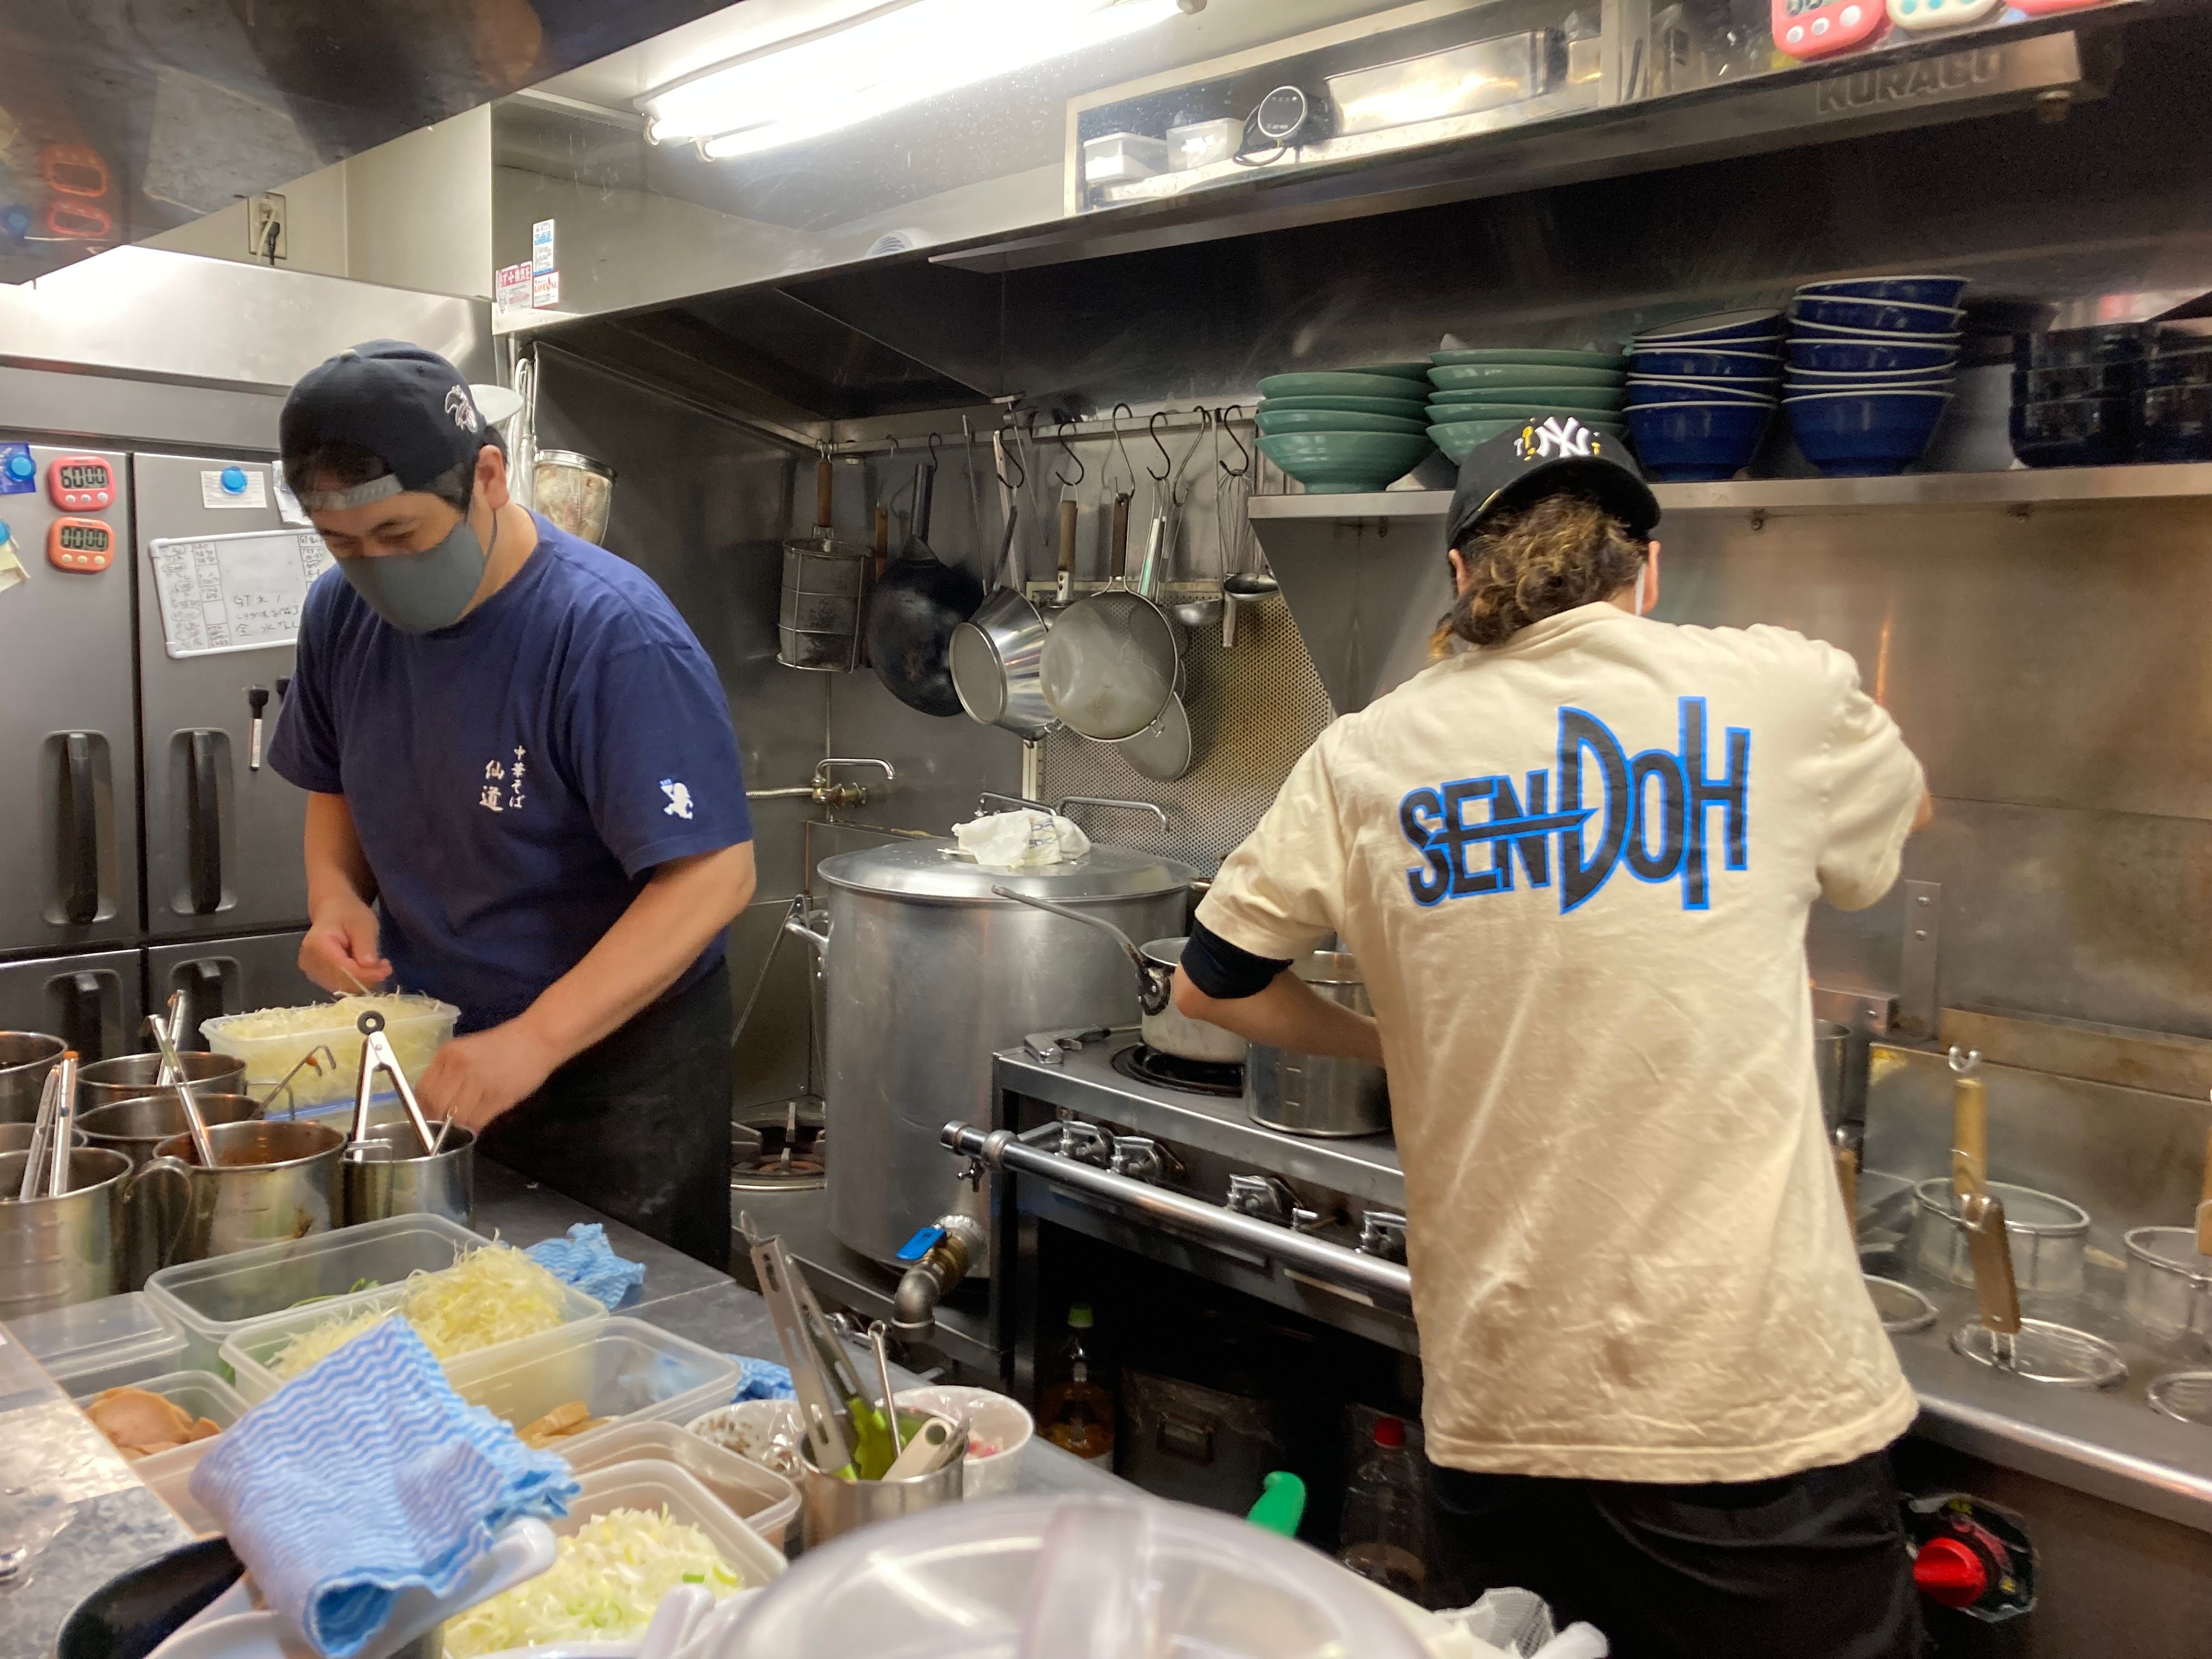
(1188, 1178)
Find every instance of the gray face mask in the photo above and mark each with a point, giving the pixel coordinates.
(418, 593)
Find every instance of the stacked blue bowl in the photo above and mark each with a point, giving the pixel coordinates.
(1701, 393)
(1871, 363)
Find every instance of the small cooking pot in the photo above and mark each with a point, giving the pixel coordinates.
(1174, 1032)
(1328, 1096)
(1163, 1028)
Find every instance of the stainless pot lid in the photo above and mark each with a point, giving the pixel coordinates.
(930, 870)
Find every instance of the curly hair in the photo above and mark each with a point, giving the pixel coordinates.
(1534, 562)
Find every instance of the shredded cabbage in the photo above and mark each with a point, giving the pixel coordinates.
(491, 1295)
(604, 1584)
(270, 1040)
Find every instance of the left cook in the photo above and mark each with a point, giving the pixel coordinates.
(524, 798)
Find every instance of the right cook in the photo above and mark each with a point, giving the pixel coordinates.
(1574, 859)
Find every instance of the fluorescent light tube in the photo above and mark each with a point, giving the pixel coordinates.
(896, 55)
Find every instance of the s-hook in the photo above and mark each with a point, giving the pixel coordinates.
(1060, 438)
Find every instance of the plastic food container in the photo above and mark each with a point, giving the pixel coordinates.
(214, 1300)
(249, 1351)
(172, 1484)
(2169, 1283)
(2047, 1235)
(201, 1392)
(418, 1026)
(645, 1485)
(761, 1499)
(91, 1346)
(1122, 158)
(1201, 143)
(619, 1368)
(990, 1581)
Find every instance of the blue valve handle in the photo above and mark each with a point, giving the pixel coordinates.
(921, 1244)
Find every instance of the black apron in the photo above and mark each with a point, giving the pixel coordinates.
(638, 1125)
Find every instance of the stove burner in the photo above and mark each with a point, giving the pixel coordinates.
(1196, 1077)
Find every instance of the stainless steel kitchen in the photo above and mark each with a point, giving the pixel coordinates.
(1433, 870)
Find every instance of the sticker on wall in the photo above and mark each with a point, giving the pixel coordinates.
(511, 286)
(234, 486)
(12, 574)
(19, 470)
(541, 248)
(545, 289)
(288, 505)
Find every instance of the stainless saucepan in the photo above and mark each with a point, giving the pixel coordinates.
(995, 657)
(1163, 1028)
(1326, 1096)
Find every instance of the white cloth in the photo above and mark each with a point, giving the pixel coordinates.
(1628, 1253)
(1022, 840)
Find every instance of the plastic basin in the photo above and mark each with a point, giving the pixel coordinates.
(201, 1392)
(418, 1026)
(1864, 435)
(104, 1344)
(759, 1497)
(619, 1368)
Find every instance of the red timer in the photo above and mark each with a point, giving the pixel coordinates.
(79, 544)
(79, 483)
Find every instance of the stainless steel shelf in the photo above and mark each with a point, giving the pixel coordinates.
(2024, 486)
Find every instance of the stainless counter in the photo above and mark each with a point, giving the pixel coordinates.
(2110, 1445)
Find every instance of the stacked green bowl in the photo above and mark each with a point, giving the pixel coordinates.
(1350, 430)
(1477, 395)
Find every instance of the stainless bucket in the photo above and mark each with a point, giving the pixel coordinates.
(130, 1077)
(1840, 1055)
(26, 1057)
(830, 1508)
(395, 1179)
(56, 1251)
(135, 1128)
(17, 1137)
(274, 1182)
(1324, 1095)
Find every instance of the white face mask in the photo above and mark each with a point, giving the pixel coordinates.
(1641, 571)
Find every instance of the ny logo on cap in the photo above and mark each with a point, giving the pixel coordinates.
(1558, 435)
(462, 408)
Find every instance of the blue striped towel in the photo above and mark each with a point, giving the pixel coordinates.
(365, 1477)
(587, 1261)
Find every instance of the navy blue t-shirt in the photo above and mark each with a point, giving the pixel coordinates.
(514, 778)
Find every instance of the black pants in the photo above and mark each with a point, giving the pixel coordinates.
(1807, 1566)
(638, 1125)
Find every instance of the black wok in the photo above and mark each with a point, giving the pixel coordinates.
(917, 602)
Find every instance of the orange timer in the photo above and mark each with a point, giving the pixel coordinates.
(83, 546)
(81, 483)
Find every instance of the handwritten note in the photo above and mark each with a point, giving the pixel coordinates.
(238, 592)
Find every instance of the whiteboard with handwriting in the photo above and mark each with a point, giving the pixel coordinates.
(240, 593)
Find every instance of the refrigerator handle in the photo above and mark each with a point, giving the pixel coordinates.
(80, 830)
(204, 998)
(83, 1022)
(203, 824)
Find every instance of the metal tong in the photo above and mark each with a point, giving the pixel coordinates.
(1970, 1126)
(376, 1056)
(53, 1132)
(848, 1434)
(165, 1037)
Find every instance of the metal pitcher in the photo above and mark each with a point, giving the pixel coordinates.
(379, 1179)
(136, 1128)
(57, 1251)
(273, 1182)
(1325, 1095)
(130, 1077)
(26, 1057)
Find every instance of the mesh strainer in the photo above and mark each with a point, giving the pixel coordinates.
(1109, 661)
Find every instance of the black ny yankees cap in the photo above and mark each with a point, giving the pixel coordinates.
(404, 404)
(1549, 455)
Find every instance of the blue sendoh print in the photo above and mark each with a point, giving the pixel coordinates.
(1653, 811)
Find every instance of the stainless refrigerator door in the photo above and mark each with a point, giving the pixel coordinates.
(228, 976)
(222, 840)
(93, 1003)
(69, 800)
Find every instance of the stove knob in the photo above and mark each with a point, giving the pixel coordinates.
(1137, 1157)
(1383, 1233)
(1951, 1572)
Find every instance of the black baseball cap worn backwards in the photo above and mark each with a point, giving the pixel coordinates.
(406, 405)
(1551, 455)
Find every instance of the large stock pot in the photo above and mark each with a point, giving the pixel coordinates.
(927, 973)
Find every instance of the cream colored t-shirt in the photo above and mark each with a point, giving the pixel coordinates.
(1576, 869)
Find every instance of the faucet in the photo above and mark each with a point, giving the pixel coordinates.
(941, 1255)
(821, 792)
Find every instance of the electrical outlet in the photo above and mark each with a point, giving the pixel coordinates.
(266, 213)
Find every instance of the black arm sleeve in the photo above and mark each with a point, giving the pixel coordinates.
(1225, 971)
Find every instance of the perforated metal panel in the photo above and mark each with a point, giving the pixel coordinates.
(1254, 710)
